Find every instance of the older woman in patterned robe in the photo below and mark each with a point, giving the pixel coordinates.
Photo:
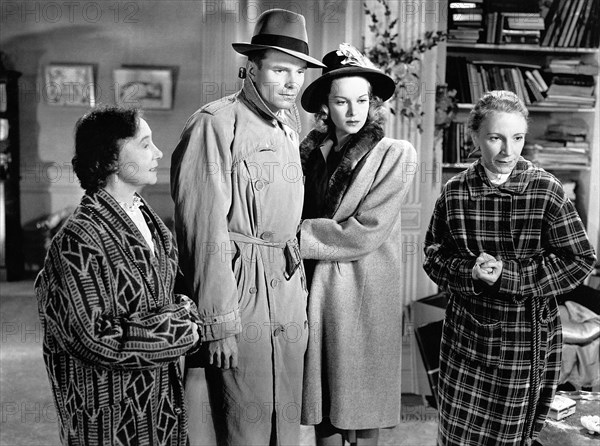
(113, 329)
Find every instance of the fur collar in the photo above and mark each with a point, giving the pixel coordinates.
(313, 164)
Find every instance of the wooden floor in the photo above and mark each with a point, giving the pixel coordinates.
(28, 417)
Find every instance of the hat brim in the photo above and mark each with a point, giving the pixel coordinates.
(244, 48)
(382, 86)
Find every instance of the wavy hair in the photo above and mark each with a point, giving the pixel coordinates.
(324, 123)
(99, 137)
(495, 101)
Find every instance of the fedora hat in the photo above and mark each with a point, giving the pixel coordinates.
(282, 30)
(343, 62)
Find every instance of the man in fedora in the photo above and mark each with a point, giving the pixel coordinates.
(237, 184)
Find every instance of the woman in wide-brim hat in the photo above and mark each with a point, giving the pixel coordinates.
(356, 180)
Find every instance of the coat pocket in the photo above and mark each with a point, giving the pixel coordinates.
(242, 263)
(476, 342)
(116, 424)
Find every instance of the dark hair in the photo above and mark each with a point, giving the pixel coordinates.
(257, 56)
(492, 102)
(99, 137)
(324, 123)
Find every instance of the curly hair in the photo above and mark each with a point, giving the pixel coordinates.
(492, 102)
(99, 137)
(324, 123)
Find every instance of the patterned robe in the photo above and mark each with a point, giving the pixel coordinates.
(113, 330)
(501, 345)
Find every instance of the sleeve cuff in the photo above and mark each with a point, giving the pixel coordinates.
(221, 326)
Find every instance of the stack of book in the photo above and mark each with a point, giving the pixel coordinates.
(572, 23)
(458, 146)
(514, 27)
(571, 90)
(550, 154)
(564, 144)
(465, 21)
(572, 66)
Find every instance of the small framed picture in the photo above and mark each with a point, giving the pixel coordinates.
(70, 84)
(146, 87)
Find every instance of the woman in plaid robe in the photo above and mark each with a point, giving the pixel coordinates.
(113, 329)
(503, 241)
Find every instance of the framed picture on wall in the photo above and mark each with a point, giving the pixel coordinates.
(146, 87)
(70, 84)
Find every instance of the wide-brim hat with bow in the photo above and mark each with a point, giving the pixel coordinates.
(343, 62)
(282, 30)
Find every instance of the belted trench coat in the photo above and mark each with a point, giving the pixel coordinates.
(237, 184)
(113, 330)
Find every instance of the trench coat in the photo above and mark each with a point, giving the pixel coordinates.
(353, 361)
(236, 180)
(113, 330)
(494, 337)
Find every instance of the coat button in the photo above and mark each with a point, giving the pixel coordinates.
(252, 290)
(267, 236)
(278, 331)
(274, 283)
(259, 185)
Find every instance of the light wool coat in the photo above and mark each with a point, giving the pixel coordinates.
(237, 185)
(352, 371)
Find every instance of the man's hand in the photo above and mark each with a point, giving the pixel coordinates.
(223, 353)
(487, 268)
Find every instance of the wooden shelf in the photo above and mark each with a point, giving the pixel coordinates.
(518, 47)
(562, 168)
(455, 165)
(543, 108)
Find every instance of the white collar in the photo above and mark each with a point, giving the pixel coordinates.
(496, 178)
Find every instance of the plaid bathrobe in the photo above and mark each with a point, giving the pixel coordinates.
(494, 337)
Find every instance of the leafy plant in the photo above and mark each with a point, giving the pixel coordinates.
(402, 65)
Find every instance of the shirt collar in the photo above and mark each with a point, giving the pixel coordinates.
(496, 179)
(251, 97)
(480, 185)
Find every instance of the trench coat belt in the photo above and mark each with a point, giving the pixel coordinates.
(291, 250)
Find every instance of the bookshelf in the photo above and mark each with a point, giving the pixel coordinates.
(581, 177)
(483, 47)
(11, 249)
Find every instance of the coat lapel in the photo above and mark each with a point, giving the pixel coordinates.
(356, 148)
(124, 231)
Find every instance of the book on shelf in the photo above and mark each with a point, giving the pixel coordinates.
(526, 21)
(472, 79)
(465, 5)
(465, 21)
(572, 89)
(519, 6)
(548, 153)
(457, 145)
(572, 66)
(513, 27)
(573, 129)
(572, 23)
